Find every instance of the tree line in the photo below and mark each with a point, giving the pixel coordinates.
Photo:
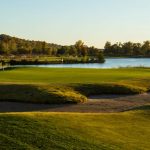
(128, 49)
(16, 46)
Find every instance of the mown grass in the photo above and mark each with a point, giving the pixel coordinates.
(45, 131)
(73, 131)
(45, 85)
(132, 76)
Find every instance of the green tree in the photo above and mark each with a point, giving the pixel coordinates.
(107, 48)
(145, 47)
(137, 49)
(73, 51)
(101, 58)
(79, 46)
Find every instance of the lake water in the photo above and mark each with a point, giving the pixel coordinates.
(110, 63)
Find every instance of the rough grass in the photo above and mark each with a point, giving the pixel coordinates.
(45, 131)
(52, 94)
(108, 88)
(39, 94)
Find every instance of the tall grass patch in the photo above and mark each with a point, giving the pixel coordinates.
(39, 94)
(108, 88)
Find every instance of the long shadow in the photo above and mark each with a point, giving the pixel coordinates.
(110, 96)
(6, 107)
(145, 107)
(8, 68)
(29, 107)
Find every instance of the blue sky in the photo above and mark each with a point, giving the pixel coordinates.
(66, 21)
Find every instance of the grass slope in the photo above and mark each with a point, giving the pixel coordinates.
(39, 94)
(60, 131)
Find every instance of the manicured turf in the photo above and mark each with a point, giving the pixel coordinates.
(132, 76)
(60, 131)
(45, 85)
(68, 131)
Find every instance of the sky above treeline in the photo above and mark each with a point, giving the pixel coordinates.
(66, 21)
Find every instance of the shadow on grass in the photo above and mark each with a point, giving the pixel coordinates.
(29, 107)
(145, 107)
(9, 68)
(109, 96)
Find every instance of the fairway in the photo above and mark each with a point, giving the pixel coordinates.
(132, 76)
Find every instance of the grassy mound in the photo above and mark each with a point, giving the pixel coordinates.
(77, 82)
(118, 131)
(39, 94)
(50, 94)
(108, 88)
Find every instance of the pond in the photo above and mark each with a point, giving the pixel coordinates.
(110, 63)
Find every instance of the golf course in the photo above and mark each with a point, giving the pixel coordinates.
(75, 75)
(64, 108)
